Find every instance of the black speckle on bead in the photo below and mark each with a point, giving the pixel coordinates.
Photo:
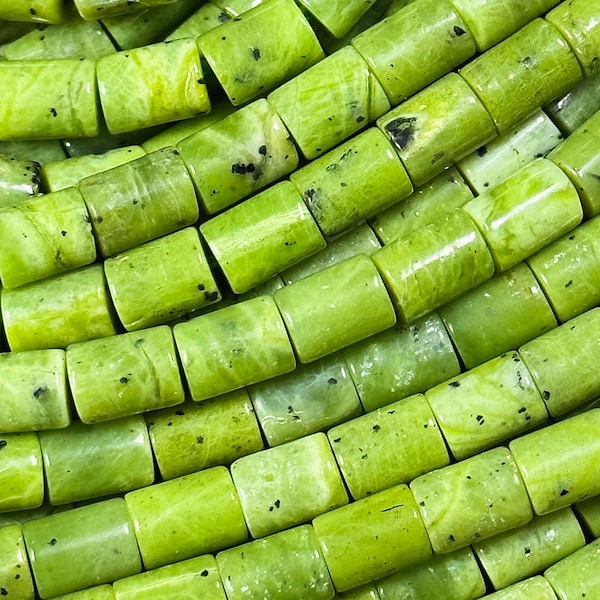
(402, 131)
(39, 392)
(255, 53)
(480, 419)
(482, 151)
(204, 573)
(546, 395)
(454, 384)
(179, 413)
(201, 287)
(337, 440)
(569, 283)
(211, 296)
(223, 17)
(458, 31)
(53, 542)
(332, 381)
(124, 380)
(63, 233)
(376, 428)
(200, 439)
(3, 444)
(53, 112)
(262, 150)
(522, 410)
(33, 11)
(564, 492)
(4, 591)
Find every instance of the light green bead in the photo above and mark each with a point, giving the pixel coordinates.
(196, 436)
(151, 85)
(45, 236)
(472, 500)
(497, 316)
(194, 578)
(18, 517)
(363, 592)
(262, 236)
(21, 472)
(56, 99)
(96, 9)
(271, 43)
(454, 575)
(576, 576)
(186, 517)
(58, 311)
(237, 7)
(562, 363)
(535, 587)
(15, 576)
(92, 461)
(527, 211)
(427, 204)
(353, 182)
(437, 127)
(81, 548)
(558, 462)
(402, 361)
(311, 398)
(33, 388)
(278, 566)
(522, 73)
(288, 485)
(588, 514)
(19, 179)
(206, 17)
(37, 11)
(140, 200)
(267, 288)
(238, 155)
(41, 151)
(388, 446)
(434, 265)
(372, 537)
(124, 375)
(337, 17)
(99, 592)
(350, 99)
(320, 311)
(233, 347)
(415, 46)
(527, 550)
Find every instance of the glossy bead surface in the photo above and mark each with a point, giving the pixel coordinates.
(337, 17)
(19, 179)
(99, 592)
(15, 575)
(534, 587)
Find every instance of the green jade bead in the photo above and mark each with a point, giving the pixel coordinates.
(151, 85)
(19, 179)
(96, 9)
(367, 166)
(91, 461)
(563, 363)
(434, 40)
(559, 462)
(194, 578)
(578, 157)
(491, 22)
(12, 30)
(174, 270)
(454, 575)
(36, 11)
(262, 236)
(437, 127)
(311, 398)
(195, 436)
(320, 311)
(57, 98)
(362, 592)
(206, 17)
(62, 174)
(140, 200)
(568, 270)
(522, 73)
(338, 17)
(472, 500)
(138, 371)
(434, 265)
(372, 537)
(588, 514)
(18, 517)
(340, 96)
(97, 542)
(272, 43)
(402, 361)
(235, 8)
(41, 151)
(99, 592)
(533, 207)
(45, 236)
(238, 155)
(233, 347)
(278, 566)
(527, 550)
(267, 288)
(21, 472)
(33, 388)
(492, 163)
(186, 517)
(503, 313)
(388, 446)
(535, 587)
(427, 204)
(576, 576)
(15, 575)
(58, 311)
(288, 485)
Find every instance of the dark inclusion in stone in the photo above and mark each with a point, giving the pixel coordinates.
(402, 131)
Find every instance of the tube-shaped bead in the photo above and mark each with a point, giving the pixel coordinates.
(15, 573)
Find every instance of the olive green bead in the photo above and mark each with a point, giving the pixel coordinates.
(434, 265)
(19, 179)
(353, 182)
(362, 592)
(437, 127)
(472, 500)
(15, 575)
(187, 516)
(194, 436)
(37, 11)
(534, 587)
(415, 46)
(234, 347)
(588, 514)
(124, 375)
(236, 7)
(337, 17)
(99, 592)
(320, 311)
(527, 211)
(350, 99)
(238, 155)
(522, 73)
(206, 17)
(12, 30)
(97, 9)
(41, 151)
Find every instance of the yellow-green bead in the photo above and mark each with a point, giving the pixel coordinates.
(19, 179)
(15, 575)
(96, 9)
(535, 587)
(99, 592)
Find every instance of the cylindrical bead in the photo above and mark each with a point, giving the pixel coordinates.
(15, 575)
(96, 9)
(19, 179)
(588, 514)
(535, 587)
(337, 17)
(98, 592)
(44, 11)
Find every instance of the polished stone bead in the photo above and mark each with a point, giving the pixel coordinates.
(19, 179)
(99, 592)
(577, 575)
(337, 17)
(15, 575)
(48, 11)
(535, 587)
(588, 514)
(206, 17)
(94, 9)
(362, 592)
